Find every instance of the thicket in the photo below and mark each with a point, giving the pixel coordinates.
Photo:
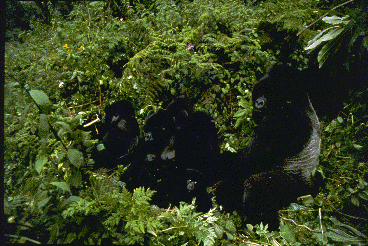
(58, 75)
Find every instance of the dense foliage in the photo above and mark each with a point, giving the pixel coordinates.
(59, 73)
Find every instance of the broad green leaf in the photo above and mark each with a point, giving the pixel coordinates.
(238, 122)
(287, 234)
(64, 125)
(230, 236)
(230, 226)
(332, 34)
(43, 202)
(75, 157)
(362, 184)
(61, 132)
(335, 20)
(76, 179)
(40, 163)
(328, 36)
(72, 199)
(60, 155)
(100, 147)
(317, 37)
(329, 48)
(357, 146)
(364, 195)
(307, 200)
(244, 103)
(141, 227)
(323, 54)
(62, 185)
(43, 127)
(65, 128)
(239, 113)
(40, 97)
(355, 200)
(219, 231)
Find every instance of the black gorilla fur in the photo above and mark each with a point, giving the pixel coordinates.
(276, 168)
(175, 156)
(119, 129)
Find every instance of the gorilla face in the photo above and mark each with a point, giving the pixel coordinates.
(259, 108)
(279, 94)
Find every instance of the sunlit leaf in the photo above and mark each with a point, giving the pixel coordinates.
(323, 54)
(62, 185)
(357, 146)
(75, 157)
(355, 200)
(240, 112)
(43, 202)
(40, 163)
(319, 39)
(43, 127)
(76, 179)
(363, 195)
(335, 20)
(64, 125)
(306, 200)
(40, 97)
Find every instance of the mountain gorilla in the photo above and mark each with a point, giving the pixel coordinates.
(119, 130)
(175, 156)
(276, 168)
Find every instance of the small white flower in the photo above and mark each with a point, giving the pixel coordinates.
(130, 76)
(61, 84)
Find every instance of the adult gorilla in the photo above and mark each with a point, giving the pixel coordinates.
(277, 166)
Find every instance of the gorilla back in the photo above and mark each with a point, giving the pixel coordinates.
(277, 166)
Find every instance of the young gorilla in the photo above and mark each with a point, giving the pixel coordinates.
(276, 168)
(119, 129)
(175, 156)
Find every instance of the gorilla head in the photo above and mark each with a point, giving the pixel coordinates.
(120, 129)
(276, 168)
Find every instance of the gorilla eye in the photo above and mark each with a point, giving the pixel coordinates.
(260, 102)
(191, 184)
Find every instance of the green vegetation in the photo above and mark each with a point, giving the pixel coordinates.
(60, 72)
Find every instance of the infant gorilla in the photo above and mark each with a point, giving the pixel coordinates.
(277, 166)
